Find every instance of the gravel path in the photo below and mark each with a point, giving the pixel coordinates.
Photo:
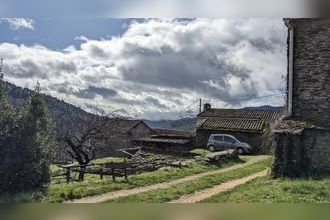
(128, 192)
(201, 195)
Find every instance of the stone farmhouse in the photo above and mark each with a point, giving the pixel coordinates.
(121, 133)
(302, 139)
(247, 125)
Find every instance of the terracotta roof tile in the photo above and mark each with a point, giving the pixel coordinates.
(242, 113)
(216, 123)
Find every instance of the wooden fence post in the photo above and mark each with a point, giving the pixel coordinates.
(67, 174)
(125, 173)
(113, 174)
(101, 172)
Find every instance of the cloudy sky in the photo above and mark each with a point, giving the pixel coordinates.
(151, 68)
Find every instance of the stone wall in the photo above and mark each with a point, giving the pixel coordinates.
(301, 152)
(121, 141)
(311, 74)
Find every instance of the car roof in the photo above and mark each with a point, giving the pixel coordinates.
(228, 135)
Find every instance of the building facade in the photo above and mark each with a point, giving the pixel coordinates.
(245, 124)
(302, 139)
(168, 140)
(121, 133)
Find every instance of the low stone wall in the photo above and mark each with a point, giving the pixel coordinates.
(301, 152)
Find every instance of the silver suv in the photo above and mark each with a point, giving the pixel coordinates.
(220, 142)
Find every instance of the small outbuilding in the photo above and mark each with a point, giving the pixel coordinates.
(168, 140)
(121, 132)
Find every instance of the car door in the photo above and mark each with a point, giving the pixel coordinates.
(229, 142)
(218, 142)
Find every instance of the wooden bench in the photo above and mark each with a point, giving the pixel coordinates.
(113, 166)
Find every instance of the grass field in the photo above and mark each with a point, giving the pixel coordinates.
(267, 190)
(93, 185)
(175, 192)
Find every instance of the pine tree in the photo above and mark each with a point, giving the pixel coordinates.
(25, 146)
(38, 140)
(3, 99)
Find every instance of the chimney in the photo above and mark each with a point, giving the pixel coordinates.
(207, 106)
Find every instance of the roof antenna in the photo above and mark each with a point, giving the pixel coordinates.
(1, 65)
(37, 89)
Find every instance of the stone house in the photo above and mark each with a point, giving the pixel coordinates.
(121, 133)
(247, 125)
(302, 139)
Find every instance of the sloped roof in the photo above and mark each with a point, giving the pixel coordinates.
(215, 123)
(121, 126)
(163, 140)
(248, 120)
(242, 113)
(162, 131)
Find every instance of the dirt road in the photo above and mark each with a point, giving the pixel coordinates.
(128, 192)
(201, 195)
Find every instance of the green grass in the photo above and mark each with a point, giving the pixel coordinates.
(175, 192)
(108, 159)
(200, 151)
(23, 197)
(267, 190)
(92, 185)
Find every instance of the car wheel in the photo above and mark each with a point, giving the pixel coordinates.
(212, 148)
(240, 151)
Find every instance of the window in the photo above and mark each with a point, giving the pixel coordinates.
(229, 140)
(218, 138)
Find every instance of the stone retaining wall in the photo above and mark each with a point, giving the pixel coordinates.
(302, 152)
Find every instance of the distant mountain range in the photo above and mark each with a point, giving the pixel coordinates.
(187, 124)
(63, 112)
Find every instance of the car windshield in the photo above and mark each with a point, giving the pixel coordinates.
(229, 139)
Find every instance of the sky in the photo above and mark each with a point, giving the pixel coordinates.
(148, 68)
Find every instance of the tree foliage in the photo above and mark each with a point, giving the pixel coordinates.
(25, 144)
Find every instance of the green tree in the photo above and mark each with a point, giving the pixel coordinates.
(10, 124)
(38, 140)
(25, 144)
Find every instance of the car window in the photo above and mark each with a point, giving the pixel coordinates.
(229, 140)
(218, 138)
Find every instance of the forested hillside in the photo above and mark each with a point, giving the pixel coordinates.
(61, 112)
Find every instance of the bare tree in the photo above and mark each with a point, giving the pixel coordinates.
(81, 141)
(84, 137)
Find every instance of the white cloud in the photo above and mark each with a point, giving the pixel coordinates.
(210, 8)
(159, 68)
(18, 23)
